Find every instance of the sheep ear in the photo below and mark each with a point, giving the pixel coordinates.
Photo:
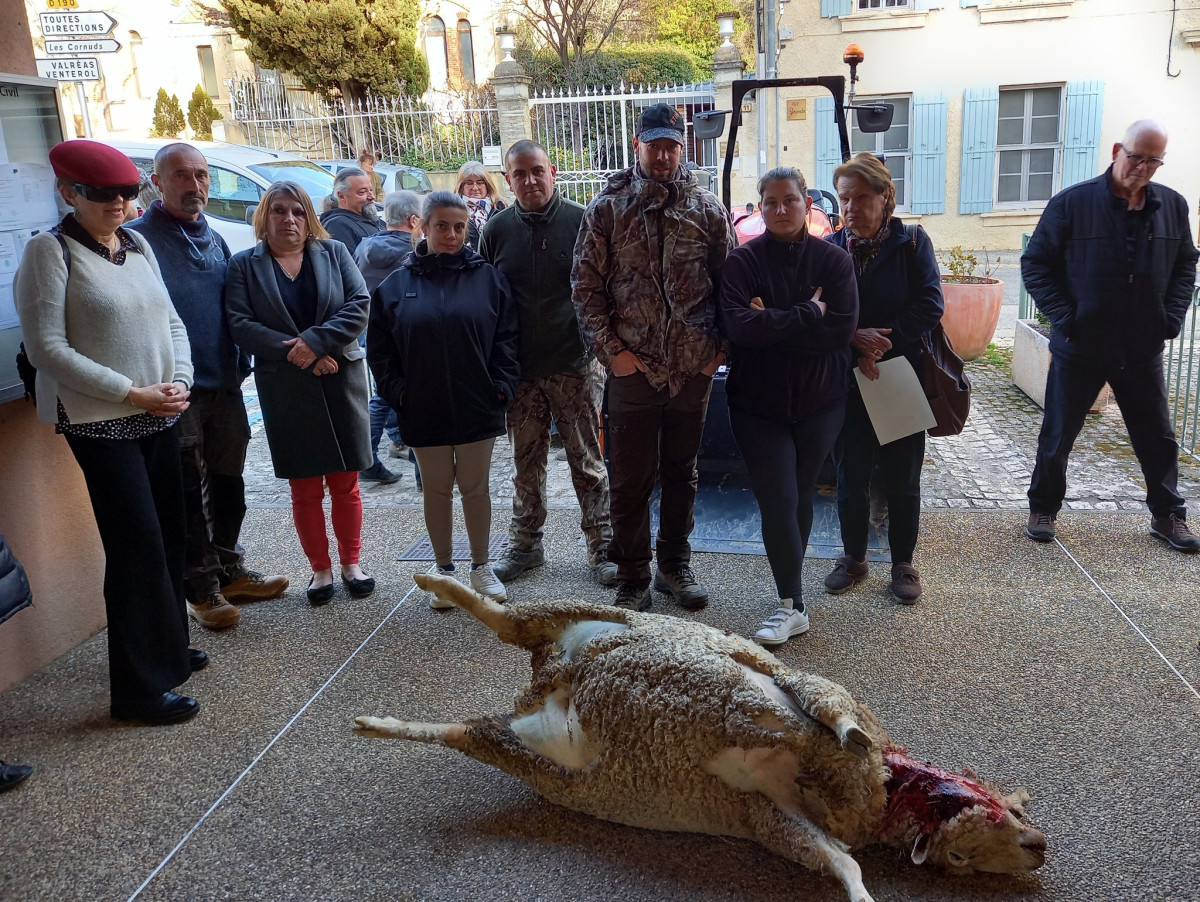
(1016, 801)
(920, 849)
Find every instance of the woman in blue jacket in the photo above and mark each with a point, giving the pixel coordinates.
(788, 307)
(442, 343)
(900, 300)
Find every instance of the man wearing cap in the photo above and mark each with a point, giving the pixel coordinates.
(214, 431)
(644, 283)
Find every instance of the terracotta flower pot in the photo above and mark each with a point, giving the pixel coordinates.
(972, 309)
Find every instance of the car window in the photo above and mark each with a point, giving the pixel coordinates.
(230, 195)
(309, 176)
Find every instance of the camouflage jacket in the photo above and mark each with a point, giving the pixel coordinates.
(646, 272)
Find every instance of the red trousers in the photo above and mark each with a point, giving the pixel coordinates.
(345, 510)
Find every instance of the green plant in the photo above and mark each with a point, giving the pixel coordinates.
(961, 265)
(1042, 319)
(168, 116)
(202, 114)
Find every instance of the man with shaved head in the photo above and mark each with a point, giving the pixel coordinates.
(1112, 265)
(214, 431)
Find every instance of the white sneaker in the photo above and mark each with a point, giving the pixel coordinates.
(781, 626)
(441, 604)
(486, 583)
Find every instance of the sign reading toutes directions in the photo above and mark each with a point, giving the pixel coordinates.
(70, 68)
(80, 24)
(83, 45)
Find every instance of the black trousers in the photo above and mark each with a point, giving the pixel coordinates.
(136, 491)
(856, 451)
(1141, 393)
(653, 436)
(784, 460)
(213, 436)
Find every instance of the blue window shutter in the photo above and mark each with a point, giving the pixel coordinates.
(930, 4)
(833, 8)
(829, 149)
(978, 176)
(929, 155)
(1081, 137)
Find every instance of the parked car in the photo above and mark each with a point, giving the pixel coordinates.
(239, 174)
(396, 177)
(752, 226)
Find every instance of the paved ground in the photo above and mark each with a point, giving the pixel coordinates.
(1070, 669)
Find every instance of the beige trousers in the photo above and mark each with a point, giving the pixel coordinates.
(468, 465)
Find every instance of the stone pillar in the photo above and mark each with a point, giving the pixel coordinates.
(16, 40)
(512, 103)
(728, 67)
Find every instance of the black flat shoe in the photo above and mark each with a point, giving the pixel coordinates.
(12, 775)
(197, 658)
(359, 588)
(167, 708)
(318, 597)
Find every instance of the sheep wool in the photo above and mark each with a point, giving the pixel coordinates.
(667, 724)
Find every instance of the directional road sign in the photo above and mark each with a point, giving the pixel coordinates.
(84, 45)
(70, 68)
(80, 24)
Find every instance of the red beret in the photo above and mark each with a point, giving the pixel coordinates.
(93, 163)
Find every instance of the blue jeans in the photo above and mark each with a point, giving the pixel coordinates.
(383, 419)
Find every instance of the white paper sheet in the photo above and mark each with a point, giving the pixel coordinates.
(895, 401)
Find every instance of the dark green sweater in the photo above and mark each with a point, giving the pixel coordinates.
(534, 251)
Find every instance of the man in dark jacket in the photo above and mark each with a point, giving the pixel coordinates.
(1112, 265)
(532, 243)
(647, 266)
(378, 256)
(353, 219)
(214, 431)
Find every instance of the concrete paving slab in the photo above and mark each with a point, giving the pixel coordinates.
(1012, 663)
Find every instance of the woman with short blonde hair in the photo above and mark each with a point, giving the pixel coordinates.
(483, 200)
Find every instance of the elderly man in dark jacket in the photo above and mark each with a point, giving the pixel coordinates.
(1112, 265)
(647, 268)
(353, 219)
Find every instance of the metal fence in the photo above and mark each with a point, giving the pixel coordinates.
(278, 113)
(589, 133)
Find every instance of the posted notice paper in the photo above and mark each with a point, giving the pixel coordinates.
(895, 401)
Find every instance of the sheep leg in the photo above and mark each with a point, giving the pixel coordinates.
(825, 702)
(796, 838)
(452, 735)
(496, 617)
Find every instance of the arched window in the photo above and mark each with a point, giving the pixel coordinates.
(466, 50)
(435, 52)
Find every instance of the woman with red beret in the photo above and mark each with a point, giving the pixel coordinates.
(114, 373)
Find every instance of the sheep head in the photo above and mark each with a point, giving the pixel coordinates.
(956, 821)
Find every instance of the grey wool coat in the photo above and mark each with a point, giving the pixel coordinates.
(315, 424)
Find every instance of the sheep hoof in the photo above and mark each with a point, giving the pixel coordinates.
(857, 743)
(377, 726)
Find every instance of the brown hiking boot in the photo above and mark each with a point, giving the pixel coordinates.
(1040, 527)
(846, 574)
(214, 612)
(906, 583)
(249, 585)
(1173, 530)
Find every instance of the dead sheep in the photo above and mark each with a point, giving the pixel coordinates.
(663, 723)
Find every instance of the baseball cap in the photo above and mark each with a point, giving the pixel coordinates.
(660, 121)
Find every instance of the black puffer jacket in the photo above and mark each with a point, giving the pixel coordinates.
(442, 343)
(1108, 297)
(15, 593)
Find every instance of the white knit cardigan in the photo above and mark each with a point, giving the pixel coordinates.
(98, 334)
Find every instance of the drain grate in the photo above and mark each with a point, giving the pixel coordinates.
(422, 548)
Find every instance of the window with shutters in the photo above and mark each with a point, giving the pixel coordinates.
(883, 4)
(894, 145)
(1028, 145)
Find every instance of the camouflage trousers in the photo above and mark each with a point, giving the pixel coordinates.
(572, 400)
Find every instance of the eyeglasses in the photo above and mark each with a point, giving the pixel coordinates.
(107, 194)
(1137, 159)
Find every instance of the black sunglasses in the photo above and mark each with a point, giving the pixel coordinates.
(107, 194)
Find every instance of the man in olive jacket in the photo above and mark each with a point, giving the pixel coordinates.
(647, 266)
(1112, 265)
(532, 243)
